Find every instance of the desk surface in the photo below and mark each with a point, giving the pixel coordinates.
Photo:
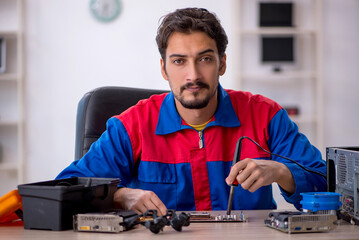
(253, 229)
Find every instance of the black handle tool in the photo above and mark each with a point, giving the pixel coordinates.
(236, 158)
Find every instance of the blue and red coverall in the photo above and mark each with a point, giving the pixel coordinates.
(150, 147)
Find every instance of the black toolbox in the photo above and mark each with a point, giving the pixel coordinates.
(50, 205)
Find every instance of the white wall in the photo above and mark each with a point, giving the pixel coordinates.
(341, 73)
(68, 53)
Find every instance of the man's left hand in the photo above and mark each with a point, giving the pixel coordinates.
(252, 174)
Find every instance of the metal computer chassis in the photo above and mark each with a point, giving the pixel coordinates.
(343, 178)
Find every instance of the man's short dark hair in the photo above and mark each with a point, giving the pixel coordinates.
(188, 20)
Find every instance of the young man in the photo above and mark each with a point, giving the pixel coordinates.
(175, 150)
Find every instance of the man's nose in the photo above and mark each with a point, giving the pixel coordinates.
(193, 72)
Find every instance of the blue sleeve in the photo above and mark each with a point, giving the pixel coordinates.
(286, 140)
(109, 157)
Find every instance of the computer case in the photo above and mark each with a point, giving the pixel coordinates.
(343, 178)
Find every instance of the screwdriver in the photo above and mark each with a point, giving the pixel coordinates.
(236, 158)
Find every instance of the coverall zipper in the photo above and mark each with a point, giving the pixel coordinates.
(200, 139)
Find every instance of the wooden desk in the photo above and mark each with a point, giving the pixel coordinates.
(253, 229)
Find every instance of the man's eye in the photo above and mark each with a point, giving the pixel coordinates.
(206, 59)
(178, 61)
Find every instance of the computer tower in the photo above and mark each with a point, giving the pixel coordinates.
(343, 178)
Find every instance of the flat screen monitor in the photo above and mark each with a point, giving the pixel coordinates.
(2, 55)
(275, 14)
(278, 49)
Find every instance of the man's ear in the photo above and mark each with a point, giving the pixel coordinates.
(223, 65)
(163, 69)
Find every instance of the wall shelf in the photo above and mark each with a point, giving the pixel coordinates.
(8, 34)
(298, 84)
(278, 31)
(8, 122)
(9, 77)
(304, 119)
(8, 166)
(280, 77)
(11, 97)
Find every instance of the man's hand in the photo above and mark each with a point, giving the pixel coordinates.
(138, 200)
(252, 174)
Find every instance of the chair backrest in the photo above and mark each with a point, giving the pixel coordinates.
(97, 106)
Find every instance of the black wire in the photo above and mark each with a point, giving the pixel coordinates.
(300, 165)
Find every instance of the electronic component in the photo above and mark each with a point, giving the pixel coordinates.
(299, 222)
(157, 223)
(319, 214)
(343, 178)
(119, 220)
(276, 14)
(112, 222)
(292, 110)
(208, 217)
(278, 49)
(320, 201)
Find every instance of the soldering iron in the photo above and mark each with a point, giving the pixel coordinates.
(236, 158)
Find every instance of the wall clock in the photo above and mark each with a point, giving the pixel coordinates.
(105, 10)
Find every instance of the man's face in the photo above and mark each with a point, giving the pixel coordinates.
(193, 68)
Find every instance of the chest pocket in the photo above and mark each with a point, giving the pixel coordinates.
(156, 172)
(161, 179)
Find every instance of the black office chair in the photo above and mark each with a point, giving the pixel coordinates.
(97, 106)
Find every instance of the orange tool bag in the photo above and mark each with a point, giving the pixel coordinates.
(10, 207)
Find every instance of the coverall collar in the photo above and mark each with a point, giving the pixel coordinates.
(169, 121)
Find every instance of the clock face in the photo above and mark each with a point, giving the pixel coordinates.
(105, 10)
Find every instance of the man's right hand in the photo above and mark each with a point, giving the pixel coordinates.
(138, 200)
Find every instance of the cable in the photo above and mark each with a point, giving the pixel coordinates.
(155, 223)
(300, 165)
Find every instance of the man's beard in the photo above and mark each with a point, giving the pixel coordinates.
(196, 103)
